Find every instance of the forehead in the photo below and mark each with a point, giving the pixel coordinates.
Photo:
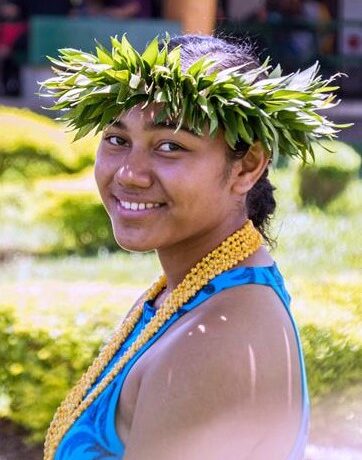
(148, 119)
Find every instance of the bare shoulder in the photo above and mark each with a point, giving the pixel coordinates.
(248, 333)
(243, 318)
(251, 313)
(227, 382)
(250, 306)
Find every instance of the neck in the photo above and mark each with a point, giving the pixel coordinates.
(178, 259)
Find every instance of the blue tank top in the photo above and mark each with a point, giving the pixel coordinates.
(93, 436)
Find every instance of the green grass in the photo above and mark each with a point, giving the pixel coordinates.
(123, 268)
(310, 241)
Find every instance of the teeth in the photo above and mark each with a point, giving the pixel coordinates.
(139, 206)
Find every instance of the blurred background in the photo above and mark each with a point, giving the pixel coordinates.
(64, 284)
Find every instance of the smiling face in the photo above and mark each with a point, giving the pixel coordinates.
(163, 189)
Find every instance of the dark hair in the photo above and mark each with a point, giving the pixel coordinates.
(260, 201)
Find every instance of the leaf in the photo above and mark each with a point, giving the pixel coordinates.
(97, 68)
(134, 100)
(283, 111)
(231, 71)
(214, 124)
(204, 83)
(151, 52)
(98, 109)
(301, 80)
(202, 102)
(62, 64)
(161, 58)
(131, 56)
(162, 69)
(326, 89)
(276, 73)
(243, 102)
(244, 133)
(116, 44)
(231, 121)
(119, 75)
(202, 63)
(82, 132)
(122, 93)
(174, 58)
(230, 137)
(82, 80)
(134, 81)
(288, 94)
(103, 55)
(160, 96)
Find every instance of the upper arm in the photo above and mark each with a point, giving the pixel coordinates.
(226, 386)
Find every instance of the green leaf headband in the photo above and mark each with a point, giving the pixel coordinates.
(258, 104)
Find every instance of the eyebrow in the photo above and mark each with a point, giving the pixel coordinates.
(151, 126)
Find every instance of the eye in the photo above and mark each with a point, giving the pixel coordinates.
(169, 147)
(116, 140)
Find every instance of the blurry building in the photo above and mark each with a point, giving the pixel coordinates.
(239, 10)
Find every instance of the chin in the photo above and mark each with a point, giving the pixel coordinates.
(133, 245)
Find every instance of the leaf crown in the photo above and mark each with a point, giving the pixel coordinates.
(282, 112)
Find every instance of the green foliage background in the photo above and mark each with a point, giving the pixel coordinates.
(64, 288)
(321, 182)
(33, 146)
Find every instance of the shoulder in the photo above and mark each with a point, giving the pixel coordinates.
(239, 315)
(242, 337)
(230, 370)
(239, 344)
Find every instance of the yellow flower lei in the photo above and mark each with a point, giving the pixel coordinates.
(233, 250)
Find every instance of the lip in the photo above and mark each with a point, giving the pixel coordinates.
(139, 213)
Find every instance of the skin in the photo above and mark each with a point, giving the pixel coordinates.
(243, 407)
(137, 161)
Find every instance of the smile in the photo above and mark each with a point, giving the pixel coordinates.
(138, 206)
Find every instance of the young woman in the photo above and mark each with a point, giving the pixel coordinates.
(208, 363)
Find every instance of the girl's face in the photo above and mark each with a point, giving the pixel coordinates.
(163, 189)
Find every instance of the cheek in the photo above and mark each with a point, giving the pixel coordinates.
(202, 192)
(102, 171)
(99, 178)
(98, 174)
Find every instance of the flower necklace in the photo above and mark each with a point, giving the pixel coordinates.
(233, 250)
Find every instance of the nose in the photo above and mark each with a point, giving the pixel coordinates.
(135, 170)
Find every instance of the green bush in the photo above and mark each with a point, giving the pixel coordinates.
(38, 369)
(323, 181)
(40, 364)
(18, 230)
(57, 215)
(32, 145)
(38, 162)
(72, 207)
(333, 360)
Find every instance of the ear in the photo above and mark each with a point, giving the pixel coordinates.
(247, 170)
